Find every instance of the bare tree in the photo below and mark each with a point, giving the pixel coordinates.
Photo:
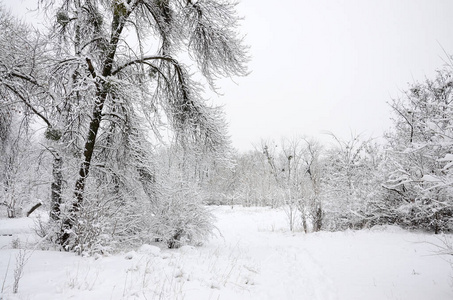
(18, 93)
(283, 169)
(313, 189)
(297, 174)
(352, 181)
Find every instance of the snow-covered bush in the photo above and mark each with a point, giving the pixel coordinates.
(92, 232)
(21, 172)
(420, 177)
(107, 221)
(179, 218)
(352, 183)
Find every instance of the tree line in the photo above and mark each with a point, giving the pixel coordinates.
(404, 179)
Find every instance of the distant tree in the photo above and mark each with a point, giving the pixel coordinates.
(312, 183)
(15, 147)
(18, 92)
(297, 176)
(352, 182)
(256, 185)
(283, 167)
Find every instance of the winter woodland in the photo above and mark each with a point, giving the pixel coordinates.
(105, 135)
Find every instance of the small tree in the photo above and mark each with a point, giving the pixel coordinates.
(312, 186)
(297, 175)
(281, 167)
(352, 182)
(420, 176)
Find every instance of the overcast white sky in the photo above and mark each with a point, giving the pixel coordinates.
(330, 65)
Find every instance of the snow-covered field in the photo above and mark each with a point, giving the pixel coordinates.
(255, 257)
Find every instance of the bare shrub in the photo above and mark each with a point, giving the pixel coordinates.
(181, 219)
(21, 260)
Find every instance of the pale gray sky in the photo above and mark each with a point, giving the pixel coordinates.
(332, 65)
(329, 65)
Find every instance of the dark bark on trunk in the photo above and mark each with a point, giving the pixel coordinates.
(101, 96)
(56, 188)
(436, 223)
(88, 151)
(318, 216)
(148, 182)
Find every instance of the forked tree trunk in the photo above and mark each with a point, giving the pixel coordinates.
(11, 211)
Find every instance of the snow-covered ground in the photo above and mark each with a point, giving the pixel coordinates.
(255, 257)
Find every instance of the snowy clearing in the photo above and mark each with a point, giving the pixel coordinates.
(255, 257)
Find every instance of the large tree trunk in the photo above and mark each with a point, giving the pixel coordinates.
(119, 17)
(84, 170)
(88, 152)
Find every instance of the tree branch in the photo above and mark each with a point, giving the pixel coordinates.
(28, 104)
(408, 122)
(143, 60)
